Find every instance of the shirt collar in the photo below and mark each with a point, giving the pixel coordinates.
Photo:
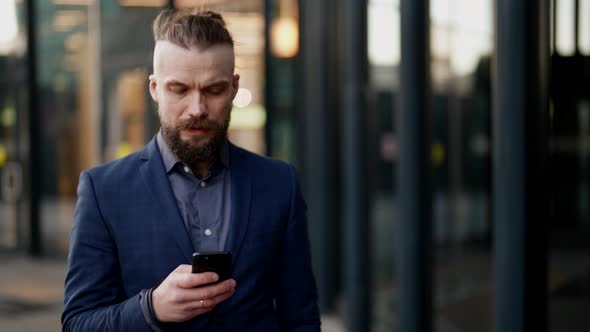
(170, 159)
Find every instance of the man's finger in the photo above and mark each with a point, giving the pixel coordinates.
(184, 268)
(207, 292)
(192, 280)
(210, 303)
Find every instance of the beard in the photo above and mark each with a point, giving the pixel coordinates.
(191, 152)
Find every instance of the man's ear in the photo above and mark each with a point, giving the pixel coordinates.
(235, 85)
(153, 87)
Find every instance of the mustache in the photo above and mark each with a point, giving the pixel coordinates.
(197, 123)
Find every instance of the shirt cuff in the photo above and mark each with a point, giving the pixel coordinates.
(145, 302)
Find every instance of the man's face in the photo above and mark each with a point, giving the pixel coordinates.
(194, 90)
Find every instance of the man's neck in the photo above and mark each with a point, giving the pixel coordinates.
(201, 168)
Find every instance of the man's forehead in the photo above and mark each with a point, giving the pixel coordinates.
(169, 57)
(165, 49)
(179, 80)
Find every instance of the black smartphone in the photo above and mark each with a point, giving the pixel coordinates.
(213, 261)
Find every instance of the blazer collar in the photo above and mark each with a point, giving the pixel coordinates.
(154, 175)
(241, 191)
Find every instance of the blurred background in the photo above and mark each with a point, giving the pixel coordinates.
(74, 94)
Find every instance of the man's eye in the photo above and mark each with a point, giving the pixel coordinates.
(215, 91)
(178, 91)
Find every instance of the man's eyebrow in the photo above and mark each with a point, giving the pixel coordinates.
(173, 82)
(216, 84)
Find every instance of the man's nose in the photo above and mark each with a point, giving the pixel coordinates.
(197, 105)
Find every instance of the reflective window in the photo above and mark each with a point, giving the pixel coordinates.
(13, 125)
(569, 183)
(68, 109)
(565, 28)
(95, 58)
(462, 41)
(461, 46)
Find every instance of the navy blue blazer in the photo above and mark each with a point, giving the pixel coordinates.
(127, 235)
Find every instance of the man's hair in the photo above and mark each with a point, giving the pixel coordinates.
(191, 29)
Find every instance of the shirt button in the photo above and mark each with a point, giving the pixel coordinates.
(186, 169)
(203, 184)
(207, 232)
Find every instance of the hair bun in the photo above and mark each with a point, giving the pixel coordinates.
(191, 28)
(210, 14)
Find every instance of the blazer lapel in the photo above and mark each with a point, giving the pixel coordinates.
(154, 176)
(241, 189)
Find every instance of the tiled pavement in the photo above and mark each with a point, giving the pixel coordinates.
(31, 296)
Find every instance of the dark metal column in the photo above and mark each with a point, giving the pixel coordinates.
(576, 24)
(320, 147)
(414, 172)
(34, 164)
(268, 78)
(521, 201)
(354, 164)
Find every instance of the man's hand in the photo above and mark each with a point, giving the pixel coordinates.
(184, 295)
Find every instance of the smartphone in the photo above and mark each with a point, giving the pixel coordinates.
(213, 261)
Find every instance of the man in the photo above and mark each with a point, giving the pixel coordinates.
(139, 219)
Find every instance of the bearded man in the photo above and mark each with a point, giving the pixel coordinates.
(139, 219)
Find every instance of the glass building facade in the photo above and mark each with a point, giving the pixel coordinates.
(91, 103)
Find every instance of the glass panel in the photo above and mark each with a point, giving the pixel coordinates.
(281, 92)
(569, 248)
(584, 28)
(92, 75)
(383, 33)
(129, 118)
(67, 130)
(248, 119)
(383, 20)
(462, 41)
(565, 30)
(13, 111)
(461, 46)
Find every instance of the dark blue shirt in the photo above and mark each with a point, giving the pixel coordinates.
(203, 202)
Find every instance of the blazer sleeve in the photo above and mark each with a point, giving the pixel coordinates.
(94, 298)
(297, 297)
